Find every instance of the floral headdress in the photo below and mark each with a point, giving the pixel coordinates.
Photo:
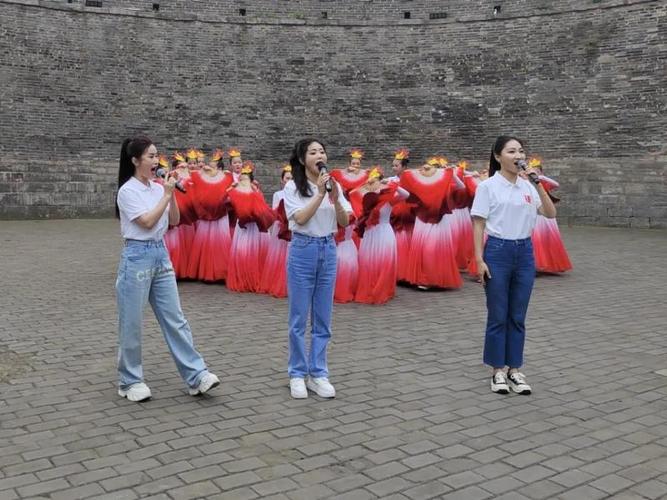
(217, 155)
(248, 167)
(375, 173)
(462, 164)
(287, 167)
(179, 157)
(401, 154)
(191, 154)
(535, 162)
(234, 152)
(356, 154)
(163, 161)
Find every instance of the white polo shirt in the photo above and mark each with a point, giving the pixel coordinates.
(323, 222)
(510, 209)
(134, 200)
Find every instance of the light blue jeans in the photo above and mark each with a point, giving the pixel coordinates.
(145, 274)
(311, 278)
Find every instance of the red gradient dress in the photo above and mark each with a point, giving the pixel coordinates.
(209, 255)
(377, 251)
(249, 247)
(178, 239)
(347, 264)
(432, 259)
(274, 275)
(348, 181)
(548, 247)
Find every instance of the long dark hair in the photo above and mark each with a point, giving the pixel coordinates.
(494, 165)
(298, 162)
(133, 147)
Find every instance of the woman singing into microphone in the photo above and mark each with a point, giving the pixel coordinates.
(313, 213)
(145, 274)
(506, 207)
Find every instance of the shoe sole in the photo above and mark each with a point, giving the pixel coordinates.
(320, 395)
(123, 394)
(299, 396)
(500, 391)
(206, 389)
(525, 392)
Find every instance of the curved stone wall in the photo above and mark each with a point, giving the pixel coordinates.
(582, 81)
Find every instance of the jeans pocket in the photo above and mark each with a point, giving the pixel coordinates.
(134, 254)
(299, 243)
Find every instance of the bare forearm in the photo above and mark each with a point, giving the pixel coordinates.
(174, 213)
(150, 218)
(478, 237)
(548, 208)
(342, 217)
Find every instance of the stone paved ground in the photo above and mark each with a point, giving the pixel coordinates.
(414, 418)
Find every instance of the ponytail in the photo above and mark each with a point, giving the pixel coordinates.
(131, 148)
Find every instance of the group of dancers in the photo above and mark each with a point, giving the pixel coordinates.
(413, 226)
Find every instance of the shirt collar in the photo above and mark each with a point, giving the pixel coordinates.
(141, 185)
(505, 182)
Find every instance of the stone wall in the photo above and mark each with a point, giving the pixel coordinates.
(582, 81)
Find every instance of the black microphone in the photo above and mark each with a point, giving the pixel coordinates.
(323, 168)
(533, 176)
(162, 173)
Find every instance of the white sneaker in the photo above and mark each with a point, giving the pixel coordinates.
(499, 383)
(321, 387)
(207, 382)
(136, 392)
(518, 384)
(297, 388)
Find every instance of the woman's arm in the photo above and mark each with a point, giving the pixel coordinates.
(150, 218)
(548, 209)
(303, 215)
(479, 224)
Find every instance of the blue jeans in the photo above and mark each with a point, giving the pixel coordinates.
(311, 278)
(145, 274)
(512, 267)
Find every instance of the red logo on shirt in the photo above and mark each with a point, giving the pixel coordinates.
(528, 198)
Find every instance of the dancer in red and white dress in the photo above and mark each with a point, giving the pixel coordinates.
(465, 249)
(274, 276)
(353, 176)
(432, 260)
(377, 252)
(347, 263)
(182, 235)
(402, 216)
(209, 255)
(548, 247)
(249, 248)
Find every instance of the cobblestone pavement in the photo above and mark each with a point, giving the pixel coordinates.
(414, 417)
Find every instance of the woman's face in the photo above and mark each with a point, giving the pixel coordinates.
(355, 165)
(512, 152)
(428, 168)
(244, 179)
(314, 155)
(397, 167)
(192, 164)
(236, 164)
(145, 165)
(286, 178)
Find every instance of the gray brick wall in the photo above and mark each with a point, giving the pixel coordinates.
(580, 80)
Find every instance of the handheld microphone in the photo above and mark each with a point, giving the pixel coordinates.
(533, 176)
(323, 168)
(162, 173)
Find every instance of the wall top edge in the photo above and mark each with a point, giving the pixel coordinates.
(289, 21)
